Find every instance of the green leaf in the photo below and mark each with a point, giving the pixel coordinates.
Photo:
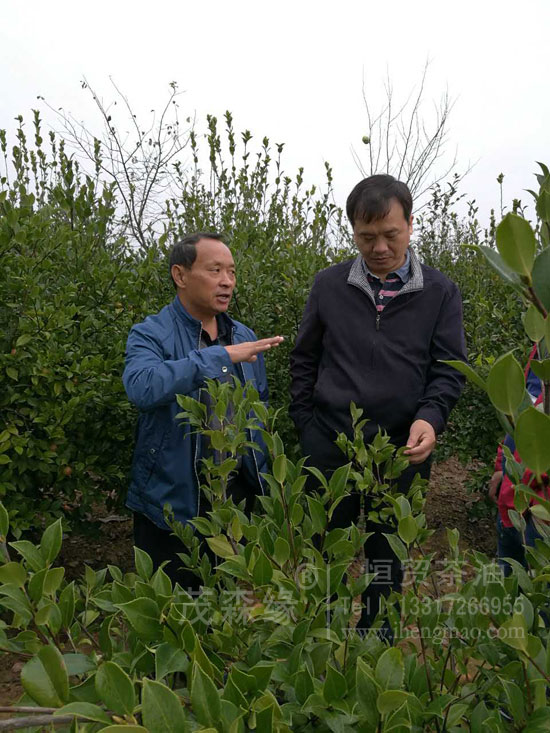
(506, 384)
(86, 710)
(391, 700)
(143, 615)
(538, 721)
(468, 372)
(281, 552)
(543, 205)
(169, 659)
(161, 708)
(541, 369)
(115, 688)
(541, 277)
(30, 553)
(533, 323)
(517, 244)
(4, 521)
(23, 339)
(66, 605)
(367, 693)
(498, 265)
(516, 701)
(317, 513)
(143, 563)
(338, 481)
(335, 687)
(390, 669)
(13, 573)
(264, 719)
(51, 542)
(407, 529)
(263, 570)
(532, 437)
(45, 679)
(514, 632)
(52, 580)
(78, 664)
(220, 546)
(280, 468)
(303, 685)
(397, 546)
(205, 700)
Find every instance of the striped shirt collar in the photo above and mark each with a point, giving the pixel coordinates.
(358, 277)
(403, 273)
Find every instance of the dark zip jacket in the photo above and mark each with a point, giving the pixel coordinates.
(388, 363)
(163, 359)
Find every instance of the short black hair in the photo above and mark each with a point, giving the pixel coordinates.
(371, 198)
(184, 252)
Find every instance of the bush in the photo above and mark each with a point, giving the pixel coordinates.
(70, 291)
(269, 643)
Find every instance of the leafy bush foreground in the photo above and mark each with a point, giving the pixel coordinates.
(269, 643)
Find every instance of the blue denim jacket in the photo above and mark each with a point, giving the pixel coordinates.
(163, 359)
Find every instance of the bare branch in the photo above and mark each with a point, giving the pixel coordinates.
(405, 144)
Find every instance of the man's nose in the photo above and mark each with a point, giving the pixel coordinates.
(380, 244)
(227, 280)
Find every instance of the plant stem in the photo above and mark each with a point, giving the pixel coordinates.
(35, 721)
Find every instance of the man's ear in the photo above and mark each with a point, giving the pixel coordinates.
(411, 225)
(179, 275)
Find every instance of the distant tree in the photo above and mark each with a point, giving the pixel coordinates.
(405, 142)
(137, 157)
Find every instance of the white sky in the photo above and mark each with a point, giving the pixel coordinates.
(293, 71)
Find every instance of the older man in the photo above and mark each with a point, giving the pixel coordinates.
(173, 352)
(375, 331)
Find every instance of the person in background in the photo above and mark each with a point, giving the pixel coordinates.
(510, 542)
(173, 352)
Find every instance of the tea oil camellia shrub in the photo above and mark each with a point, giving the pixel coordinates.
(269, 643)
(70, 292)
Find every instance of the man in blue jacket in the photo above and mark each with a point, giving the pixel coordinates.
(375, 331)
(173, 352)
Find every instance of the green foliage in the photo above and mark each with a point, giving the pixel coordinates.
(71, 290)
(269, 643)
(492, 313)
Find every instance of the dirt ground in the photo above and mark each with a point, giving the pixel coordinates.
(110, 542)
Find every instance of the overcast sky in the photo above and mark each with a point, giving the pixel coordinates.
(294, 71)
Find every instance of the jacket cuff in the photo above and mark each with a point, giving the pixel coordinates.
(431, 415)
(217, 362)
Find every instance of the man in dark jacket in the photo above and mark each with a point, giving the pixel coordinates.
(374, 331)
(173, 352)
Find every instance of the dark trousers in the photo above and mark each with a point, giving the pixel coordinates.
(379, 557)
(510, 544)
(163, 546)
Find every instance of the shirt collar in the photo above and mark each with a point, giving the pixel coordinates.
(403, 273)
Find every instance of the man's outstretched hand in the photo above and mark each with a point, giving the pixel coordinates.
(249, 350)
(421, 441)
